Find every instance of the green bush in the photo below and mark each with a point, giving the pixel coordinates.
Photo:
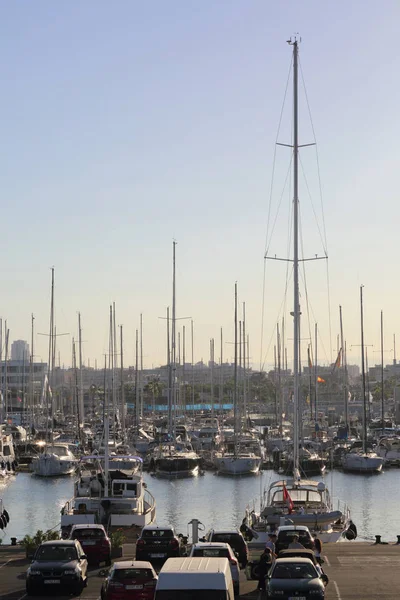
(117, 538)
(31, 542)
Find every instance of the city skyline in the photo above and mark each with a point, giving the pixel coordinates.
(128, 127)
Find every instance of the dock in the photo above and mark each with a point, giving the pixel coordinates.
(356, 571)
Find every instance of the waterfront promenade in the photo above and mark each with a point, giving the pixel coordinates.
(356, 571)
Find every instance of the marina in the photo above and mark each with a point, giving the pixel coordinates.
(243, 451)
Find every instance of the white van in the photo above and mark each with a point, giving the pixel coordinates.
(195, 579)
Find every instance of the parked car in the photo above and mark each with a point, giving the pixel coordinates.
(219, 550)
(57, 563)
(232, 537)
(286, 534)
(295, 578)
(130, 580)
(306, 554)
(157, 543)
(95, 542)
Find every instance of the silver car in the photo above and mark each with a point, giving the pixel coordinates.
(219, 550)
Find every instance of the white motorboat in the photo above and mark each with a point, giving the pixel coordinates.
(113, 497)
(56, 459)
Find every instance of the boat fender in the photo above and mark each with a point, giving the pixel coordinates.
(1, 523)
(353, 528)
(6, 515)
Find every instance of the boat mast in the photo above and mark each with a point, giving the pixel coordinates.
(49, 366)
(141, 365)
(346, 407)
(81, 408)
(316, 377)
(363, 373)
(244, 365)
(173, 344)
(235, 407)
(382, 394)
(123, 407)
(221, 375)
(31, 389)
(296, 305)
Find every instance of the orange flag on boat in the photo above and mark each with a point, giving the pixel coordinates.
(320, 380)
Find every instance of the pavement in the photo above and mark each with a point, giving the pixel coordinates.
(356, 571)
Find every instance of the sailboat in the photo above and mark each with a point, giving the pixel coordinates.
(296, 500)
(363, 460)
(237, 458)
(56, 458)
(175, 458)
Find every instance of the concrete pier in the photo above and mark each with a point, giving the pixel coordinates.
(356, 571)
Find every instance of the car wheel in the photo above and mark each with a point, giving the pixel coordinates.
(31, 591)
(255, 571)
(236, 590)
(77, 588)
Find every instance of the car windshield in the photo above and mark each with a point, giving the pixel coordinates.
(294, 571)
(287, 536)
(122, 574)
(211, 552)
(88, 534)
(157, 533)
(57, 553)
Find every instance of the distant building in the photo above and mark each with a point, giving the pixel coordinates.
(20, 351)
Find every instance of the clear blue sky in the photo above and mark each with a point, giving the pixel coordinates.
(127, 124)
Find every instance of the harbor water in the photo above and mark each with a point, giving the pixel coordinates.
(35, 503)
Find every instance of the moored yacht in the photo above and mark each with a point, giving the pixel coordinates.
(114, 497)
(56, 459)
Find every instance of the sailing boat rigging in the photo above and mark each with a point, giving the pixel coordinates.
(362, 461)
(241, 455)
(310, 503)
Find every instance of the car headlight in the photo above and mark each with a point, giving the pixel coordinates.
(276, 592)
(70, 571)
(34, 572)
(315, 593)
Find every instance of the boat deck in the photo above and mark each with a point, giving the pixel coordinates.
(356, 570)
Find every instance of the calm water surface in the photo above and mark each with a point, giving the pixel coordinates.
(35, 503)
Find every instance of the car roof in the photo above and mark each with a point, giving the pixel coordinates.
(136, 564)
(155, 527)
(294, 559)
(88, 526)
(59, 543)
(229, 531)
(212, 544)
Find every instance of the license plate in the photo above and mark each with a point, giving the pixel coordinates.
(158, 555)
(133, 587)
(88, 543)
(52, 581)
(297, 598)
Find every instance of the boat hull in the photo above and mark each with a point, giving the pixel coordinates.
(245, 465)
(361, 463)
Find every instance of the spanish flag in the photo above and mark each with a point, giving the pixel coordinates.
(320, 380)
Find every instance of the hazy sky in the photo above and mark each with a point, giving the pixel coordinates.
(127, 124)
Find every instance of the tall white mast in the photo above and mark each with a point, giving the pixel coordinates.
(141, 365)
(173, 343)
(296, 303)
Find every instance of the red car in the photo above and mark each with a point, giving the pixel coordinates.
(130, 580)
(94, 541)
